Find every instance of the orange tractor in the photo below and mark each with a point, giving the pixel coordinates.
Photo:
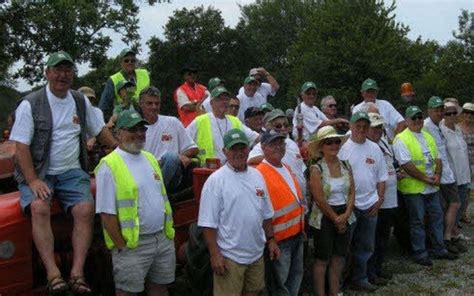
(21, 269)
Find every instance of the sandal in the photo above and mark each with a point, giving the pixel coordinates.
(78, 286)
(56, 286)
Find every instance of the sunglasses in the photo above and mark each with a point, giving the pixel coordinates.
(450, 113)
(332, 141)
(127, 61)
(136, 129)
(467, 112)
(280, 126)
(417, 117)
(332, 106)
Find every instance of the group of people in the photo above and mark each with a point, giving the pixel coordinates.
(256, 208)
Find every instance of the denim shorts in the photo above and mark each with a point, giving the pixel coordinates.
(450, 194)
(70, 188)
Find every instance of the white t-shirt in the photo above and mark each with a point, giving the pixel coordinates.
(458, 155)
(151, 208)
(447, 175)
(391, 116)
(292, 158)
(236, 204)
(167, 134)
(206, 105)
(312, 119)
(265, 89)
(247, 102)
(368, 168)
(403, 156)
(219, 128)
(65, 137)
(390, 200)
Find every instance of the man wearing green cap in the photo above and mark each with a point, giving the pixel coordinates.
(393, 120)
(190, 96)
(50, 131)
(313, 118)
(135, 212)
(213, 83)
(416, 151)
(233, 194)
(207, 130)
(449, 190)
(139, 77)
(249, 97)
(370, 173)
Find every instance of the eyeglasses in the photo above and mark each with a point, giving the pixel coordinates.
(417, 117)
(127, 61)
(448, 114)
(151, 91)
(336, 141)
(232, 106)
(332, 106)
(280, 126)
(136, 129)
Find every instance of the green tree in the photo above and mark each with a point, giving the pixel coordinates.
(32, 29)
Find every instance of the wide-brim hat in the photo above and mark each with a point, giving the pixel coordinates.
(315, 140)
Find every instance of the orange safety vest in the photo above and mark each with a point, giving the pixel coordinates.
(194, 94)
(288, 219)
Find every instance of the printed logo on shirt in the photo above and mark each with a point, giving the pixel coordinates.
(259, 192)
(369, 160)
(166, 137)
(76, 119)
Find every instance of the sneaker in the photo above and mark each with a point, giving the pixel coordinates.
(447, 256)
(378, 281)
(451, 247)
(459, 245)
(363, 286)
(425, 261)
(462, 237)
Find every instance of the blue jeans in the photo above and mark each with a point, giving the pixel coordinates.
(385, 222)
(71, 187)
(463, 191)
(418, 205)
(172, 170)
(288, 269)
(363, 241)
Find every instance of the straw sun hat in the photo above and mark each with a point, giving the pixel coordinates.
(315, 140)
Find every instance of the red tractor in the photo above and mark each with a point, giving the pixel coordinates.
(21, 269)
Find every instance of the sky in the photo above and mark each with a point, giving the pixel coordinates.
(430, 19)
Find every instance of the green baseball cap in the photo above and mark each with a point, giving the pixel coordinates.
(249, 79)
(412, 111)
(435, 102)
(58, 57)
(128, 119)
(274, 114)
(307, 85)
(360, 116)
(217, 91)
(124, 83)
(235, 136)
(266, 106)
(369, 84)
(125, 52)
(214, 82)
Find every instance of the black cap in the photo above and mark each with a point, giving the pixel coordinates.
(270, 135)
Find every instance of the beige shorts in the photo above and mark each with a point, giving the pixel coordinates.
(240, 277)
(153, 260)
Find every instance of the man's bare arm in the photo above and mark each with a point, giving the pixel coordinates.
(111, 224)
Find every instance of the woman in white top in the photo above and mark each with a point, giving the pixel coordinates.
(332, 188)
(458, 155)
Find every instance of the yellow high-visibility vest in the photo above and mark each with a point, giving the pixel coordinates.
(127, 199)
(143, 81)
(410, 185)
(204, 138)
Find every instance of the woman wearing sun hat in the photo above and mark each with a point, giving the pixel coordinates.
(332, 188)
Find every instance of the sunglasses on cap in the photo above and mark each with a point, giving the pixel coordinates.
(448, 114)
(336, 141)
(151, 91)
(417, 117)
(127, 61)
(136, 129)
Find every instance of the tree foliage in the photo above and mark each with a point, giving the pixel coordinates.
(32, 29)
